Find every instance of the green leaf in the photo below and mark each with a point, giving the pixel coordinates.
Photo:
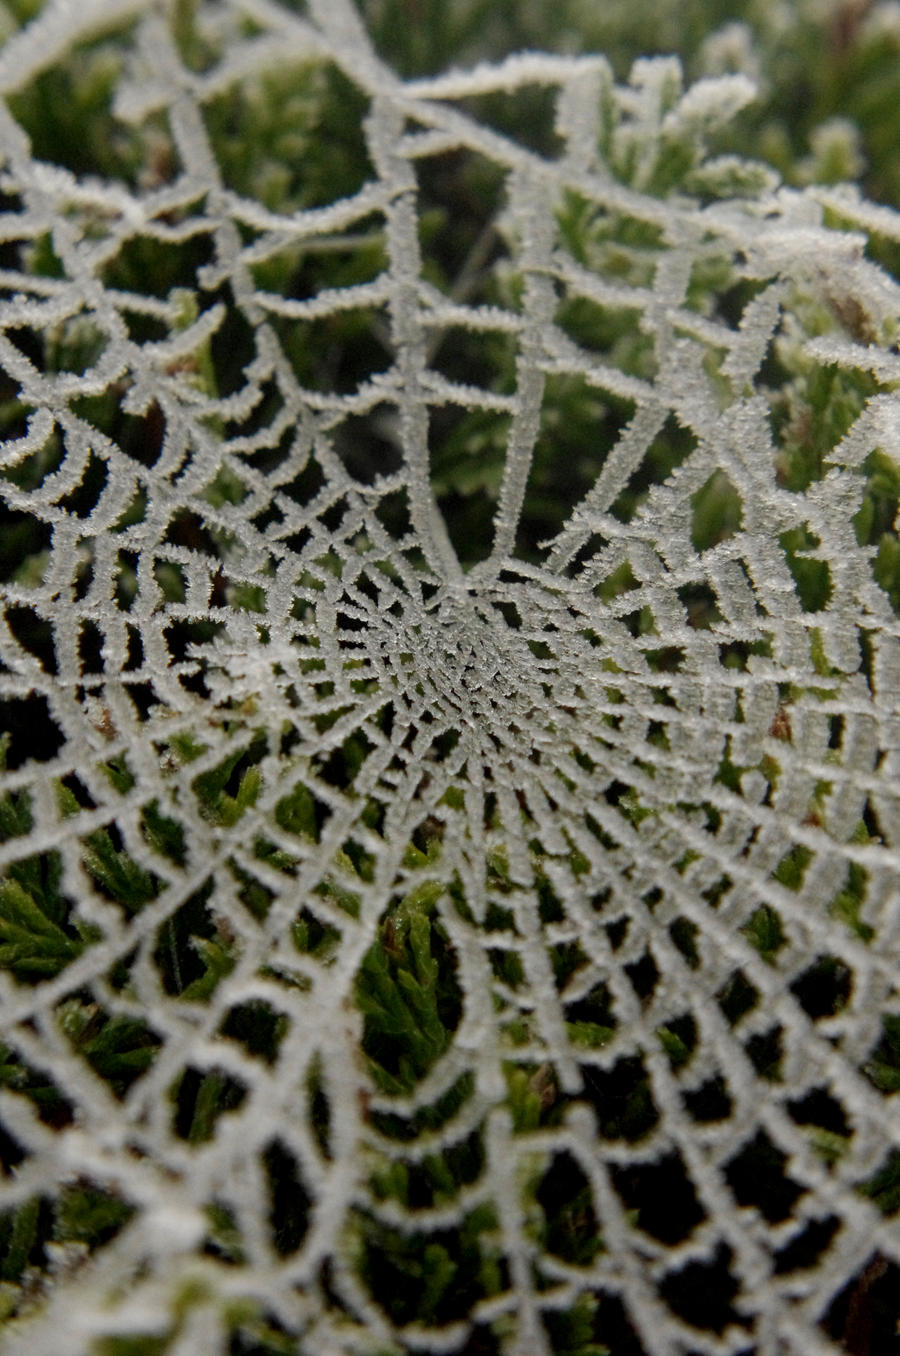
(22, 1234)
(218, 961)
(88, 1215)
(121, 877)
(32, 945)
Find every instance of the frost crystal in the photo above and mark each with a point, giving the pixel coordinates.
(450, 671)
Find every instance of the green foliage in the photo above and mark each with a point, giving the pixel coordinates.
(717, 512)
(407, 993)
(431, 1278)
(32, 944)
(18, 1234)
(883, 1187)
(119, 1049)
(219, 804)
(117, 873)
(141, 1345)
(884, 1065)
(678, 1040)
(827, 107)
(296, 812)
(765, 932)
(86, 1215)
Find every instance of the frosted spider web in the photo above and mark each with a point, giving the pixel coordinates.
(299, 674)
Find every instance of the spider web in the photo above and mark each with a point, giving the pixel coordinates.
(453, 675)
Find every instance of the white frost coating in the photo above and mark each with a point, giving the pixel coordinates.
(711, 100)
(603, 797)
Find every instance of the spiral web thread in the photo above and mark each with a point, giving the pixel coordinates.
(600, 800)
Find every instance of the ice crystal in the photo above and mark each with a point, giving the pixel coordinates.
(450, 818)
